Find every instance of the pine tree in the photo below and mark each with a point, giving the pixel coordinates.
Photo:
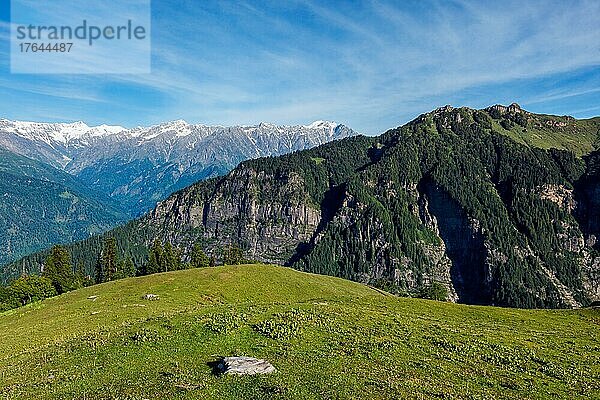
(238, 255)
(99, 270)
(177, 260)
(155, 258)
(225, 255)
(128, 268)
(80, 276)
(142, 268)
(199, 257)
(170, 262)
(59, 270)
(232, 255)
(109, 258)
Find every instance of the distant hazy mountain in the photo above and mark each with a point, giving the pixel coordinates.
(41, 205)
(140, 166)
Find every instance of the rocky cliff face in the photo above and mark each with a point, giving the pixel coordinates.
(464, 244)
(587, 212)
(237, 210)
(274, 220)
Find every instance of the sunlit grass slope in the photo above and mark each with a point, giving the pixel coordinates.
(579, 136)
(327, 337)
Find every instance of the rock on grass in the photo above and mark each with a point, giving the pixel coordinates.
(245, 366)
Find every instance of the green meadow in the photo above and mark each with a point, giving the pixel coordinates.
(328, 338)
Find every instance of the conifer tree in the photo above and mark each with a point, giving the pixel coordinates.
(82, 279)
(59, 270)
(155, 258)
(199, 257)
(109, 258)
(99, 270)
(169, 259)
(232, 255)
(128, 268)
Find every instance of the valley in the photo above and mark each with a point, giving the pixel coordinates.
(41, 206)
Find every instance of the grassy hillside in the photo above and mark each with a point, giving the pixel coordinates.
(553, 132)
(328, 338)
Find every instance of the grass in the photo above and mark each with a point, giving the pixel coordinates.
(328, 338)
(579, 136)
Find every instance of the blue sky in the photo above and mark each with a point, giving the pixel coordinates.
(372, 65)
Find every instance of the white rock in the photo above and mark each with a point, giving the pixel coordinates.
(245, 366)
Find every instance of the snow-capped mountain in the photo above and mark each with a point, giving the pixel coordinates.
(143, 165)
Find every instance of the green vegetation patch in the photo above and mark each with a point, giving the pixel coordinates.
(318, 160)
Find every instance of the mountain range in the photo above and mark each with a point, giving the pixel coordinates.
(63, 182)
(500, 206)
(138, 167)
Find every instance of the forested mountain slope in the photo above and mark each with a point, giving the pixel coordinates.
(453, 198)
(40, 206)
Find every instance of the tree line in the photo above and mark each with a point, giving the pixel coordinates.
(60, 275)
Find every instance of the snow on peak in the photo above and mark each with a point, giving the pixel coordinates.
(176, 123)
(79, 134)
(108, 129)
(58, 132)
(322, 124)
(180, 127)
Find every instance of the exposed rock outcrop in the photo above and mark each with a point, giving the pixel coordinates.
(245, 366)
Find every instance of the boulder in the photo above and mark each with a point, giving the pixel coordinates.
(244, 366)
